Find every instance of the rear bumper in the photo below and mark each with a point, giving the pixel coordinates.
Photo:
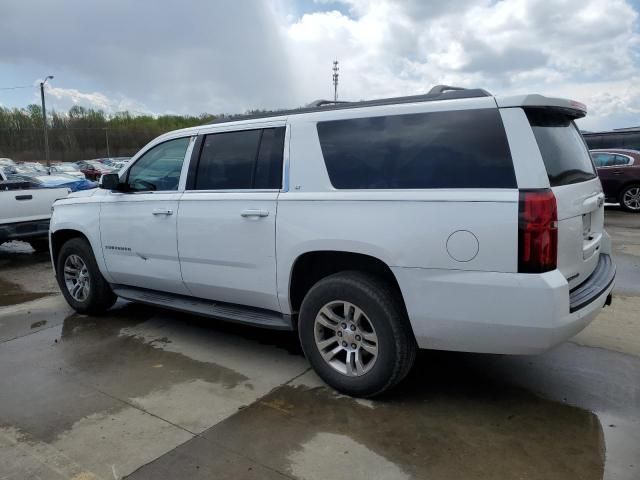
(589, 290)
(24, 230)
(493, 312)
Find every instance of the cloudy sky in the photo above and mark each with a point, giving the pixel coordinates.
(196, 56)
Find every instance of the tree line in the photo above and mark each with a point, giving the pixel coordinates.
(83, 133)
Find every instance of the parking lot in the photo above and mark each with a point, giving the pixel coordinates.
(148, 393)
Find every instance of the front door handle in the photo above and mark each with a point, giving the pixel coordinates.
(254, 213)
(163, 211)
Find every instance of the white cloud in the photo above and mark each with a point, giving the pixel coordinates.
(219, 56)
(64, 98)
(586, 49)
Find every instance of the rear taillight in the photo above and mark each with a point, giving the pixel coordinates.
(537, 231)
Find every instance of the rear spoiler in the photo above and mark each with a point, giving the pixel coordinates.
(568, 107)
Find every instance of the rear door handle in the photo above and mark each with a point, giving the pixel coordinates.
(24, 197)
(162, 211)
(254, 213)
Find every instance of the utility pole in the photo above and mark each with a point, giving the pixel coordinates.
(335, 80)
(44, 123)
(106, 136)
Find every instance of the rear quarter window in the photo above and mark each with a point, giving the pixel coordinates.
(456, 149)
(562, 147)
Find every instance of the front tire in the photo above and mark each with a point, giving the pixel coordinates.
(630, 198)
(355, 333)
(80, 280)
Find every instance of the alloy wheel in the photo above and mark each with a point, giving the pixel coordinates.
(631, 198)
(346, 338)
(76, 278)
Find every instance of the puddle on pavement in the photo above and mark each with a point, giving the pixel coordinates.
(94, 348)
(449, 422)
(12, 294)
(86, 356)
(457, 416)
(18, 255)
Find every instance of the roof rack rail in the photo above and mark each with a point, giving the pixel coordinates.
(438, 89)
(439, 92)
(322, 103)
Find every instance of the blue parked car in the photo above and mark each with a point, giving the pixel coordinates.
(56, 181)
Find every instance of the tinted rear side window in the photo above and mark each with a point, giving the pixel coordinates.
(269, 166)
(227, 160)
(457, 149)
(245, 159)
(563, 149)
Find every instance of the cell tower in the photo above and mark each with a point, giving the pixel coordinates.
(335, 80)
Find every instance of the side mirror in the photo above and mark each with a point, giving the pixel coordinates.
(110, 181)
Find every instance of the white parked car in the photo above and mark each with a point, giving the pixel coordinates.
(454, 220)
(66, 169)
(25, 211)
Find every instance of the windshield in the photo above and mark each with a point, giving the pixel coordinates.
(562, 147)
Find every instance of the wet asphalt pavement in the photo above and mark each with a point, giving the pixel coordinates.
(145, 393)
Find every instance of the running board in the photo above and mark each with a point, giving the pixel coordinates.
(207, 308)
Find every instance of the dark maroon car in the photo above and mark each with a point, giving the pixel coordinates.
(93, 169)
(619, 172)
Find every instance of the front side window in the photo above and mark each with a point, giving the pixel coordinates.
(456, 149)
(159, 168)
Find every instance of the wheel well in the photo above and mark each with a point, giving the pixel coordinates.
(630, 183)
(311, 267)
(59, 237)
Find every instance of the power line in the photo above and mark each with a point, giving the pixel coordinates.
(16, 88)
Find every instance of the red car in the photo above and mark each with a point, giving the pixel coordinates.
(93, 169)
(619, 172)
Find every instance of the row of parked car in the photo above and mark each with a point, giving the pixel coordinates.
(76, 176)
(29, 189)
(94, 169)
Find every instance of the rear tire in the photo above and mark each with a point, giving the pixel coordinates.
(80, 280)
(630, 198)
(375, 321)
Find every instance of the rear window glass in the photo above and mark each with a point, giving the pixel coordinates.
(563, 149)
(457, 149)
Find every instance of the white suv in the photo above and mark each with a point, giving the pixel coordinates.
(454, 220)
